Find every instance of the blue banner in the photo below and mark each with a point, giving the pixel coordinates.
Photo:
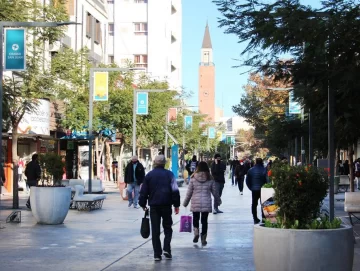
(15, 50)
(188, 120)
(294, 107)
(212, 132)
(142, 105)
(175, 160)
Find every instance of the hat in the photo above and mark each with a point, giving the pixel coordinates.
(134, 157)
(217, 155)
(160, 160)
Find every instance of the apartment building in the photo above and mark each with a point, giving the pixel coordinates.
(147, 33)
(91, 31)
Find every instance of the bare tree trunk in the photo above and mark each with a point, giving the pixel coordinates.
(14, 144)
(97, 156)
(107, 160)
(337, 158)
(351, 167)
(120, 163)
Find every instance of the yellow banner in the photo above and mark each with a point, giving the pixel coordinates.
(101, 89)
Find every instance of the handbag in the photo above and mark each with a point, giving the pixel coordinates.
(185, 223)
(124, 193)
(145, 225)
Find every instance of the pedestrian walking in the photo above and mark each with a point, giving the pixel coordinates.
(201, 187)
(33, 174)
(255, 179)
(114, 166)
(346, 167)
(191, 166)
(240, 172)
(160, 192)
(357, 172)
(134, 177)
(233, 166)
(218, 169)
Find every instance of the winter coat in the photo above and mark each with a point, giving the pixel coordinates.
(256, 178)
(139, 173)
(159, 189)
(33, 172)
(199, 191)
(218, 171)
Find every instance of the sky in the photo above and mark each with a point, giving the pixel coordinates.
(229, 81)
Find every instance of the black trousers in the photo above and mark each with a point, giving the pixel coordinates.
(240, 182)
(30, 184)
(204, 221)
(255, 198)
(156, 214)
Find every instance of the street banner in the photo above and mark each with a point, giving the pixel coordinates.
(221, 136)
(15, 49)
(232, 140)
(212, 133)
(142, 105)
(172, 114)
(294, 107)
(188, 120)
(175, 160)
(101, 87)
(228, 140)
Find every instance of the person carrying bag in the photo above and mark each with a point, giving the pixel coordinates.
(145, 225)
(199, 192)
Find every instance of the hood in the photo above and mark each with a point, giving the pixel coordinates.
(201, 177)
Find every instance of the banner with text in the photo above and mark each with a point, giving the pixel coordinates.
(142, 105)
(15, 49)
(212, 133)
(188, 120)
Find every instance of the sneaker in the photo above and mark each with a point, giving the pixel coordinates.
(219, 212)
(256, 221)
(167, 255)
(241, 193)
(129, 204)
(136, 206)
(157, 258)
(214, 212)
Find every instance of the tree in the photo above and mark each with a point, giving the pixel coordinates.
(321, 41)
(22, 90)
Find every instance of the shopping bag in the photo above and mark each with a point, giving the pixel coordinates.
(185, 223)
(125, 193)
(145, 225)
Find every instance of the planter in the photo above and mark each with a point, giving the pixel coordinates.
(300, 250)
(50, 205)
(267, 203)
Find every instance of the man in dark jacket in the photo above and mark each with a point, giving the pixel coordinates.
(240, 175)
(217, 171)
(255, 179)
(233, 166)
(33, 174)
(134, 177)
(160, 191)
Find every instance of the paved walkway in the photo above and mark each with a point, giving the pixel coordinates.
(109, 239)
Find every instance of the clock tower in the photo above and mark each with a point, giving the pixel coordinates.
(207, 78)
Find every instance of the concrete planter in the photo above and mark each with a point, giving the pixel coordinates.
(50, 205)
(302, 250)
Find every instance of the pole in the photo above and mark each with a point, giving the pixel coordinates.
(296, 150)
(1, 91)
(310, 139)
(166, 135)
(331, 149)
(90, 126)
(134, 123)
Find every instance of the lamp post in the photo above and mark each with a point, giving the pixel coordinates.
(4, 24)
(134, 112)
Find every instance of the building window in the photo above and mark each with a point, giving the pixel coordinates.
(140, 29)
(97, 32)
(140, 1)
(140, 61)
(88, 24)
(111, 59)
(111, 29)
(206, 56)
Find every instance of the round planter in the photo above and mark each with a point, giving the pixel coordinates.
(302, 250)
(50, 205)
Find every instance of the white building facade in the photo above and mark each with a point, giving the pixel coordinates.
(147, 33)
(91, 30)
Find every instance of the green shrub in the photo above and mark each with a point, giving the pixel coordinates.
(299, 192)
(268, 185)
(52, 166)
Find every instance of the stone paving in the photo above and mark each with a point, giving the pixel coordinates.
(109, 239)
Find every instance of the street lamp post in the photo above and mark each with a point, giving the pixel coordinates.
(4, 24)
(134, 112)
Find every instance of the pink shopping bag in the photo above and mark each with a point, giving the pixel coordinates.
(185, 223)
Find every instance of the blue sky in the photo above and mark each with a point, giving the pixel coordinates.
(229, 81)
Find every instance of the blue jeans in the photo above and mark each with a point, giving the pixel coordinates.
(219, 187)
(136, 189)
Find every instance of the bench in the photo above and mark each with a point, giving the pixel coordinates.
(352, 205)
(344, 182)
(96, 186)
(87, 202)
